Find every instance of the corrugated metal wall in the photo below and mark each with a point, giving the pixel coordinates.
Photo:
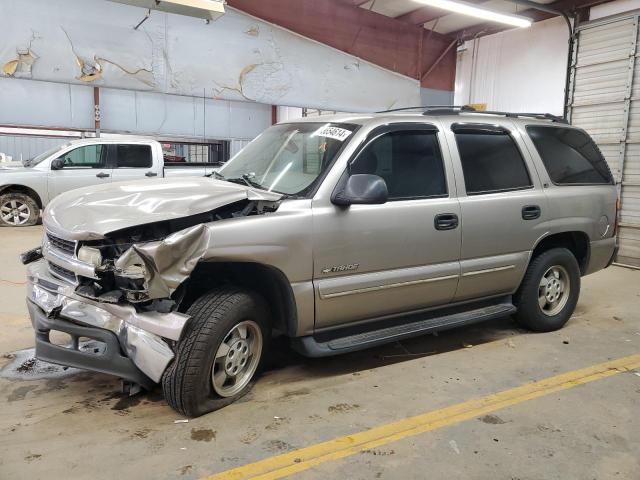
(22, 146)
(237, 145)
(605, 101)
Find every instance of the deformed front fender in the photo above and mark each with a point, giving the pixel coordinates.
(165, 263)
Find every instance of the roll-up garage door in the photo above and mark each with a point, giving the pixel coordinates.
(605, 101)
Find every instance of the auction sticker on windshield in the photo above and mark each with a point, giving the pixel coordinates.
(336, 133)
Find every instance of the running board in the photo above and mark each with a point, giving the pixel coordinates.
(312, 346)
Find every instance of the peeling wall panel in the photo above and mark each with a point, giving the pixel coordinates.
(236, 57)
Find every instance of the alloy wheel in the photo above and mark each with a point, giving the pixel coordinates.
(237, 358)
(15, 212)
(553, 294)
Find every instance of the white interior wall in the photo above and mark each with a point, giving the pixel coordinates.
(613, 8)
(520, 70)
(289, 113)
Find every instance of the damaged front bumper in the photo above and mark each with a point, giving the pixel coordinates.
(136, 344)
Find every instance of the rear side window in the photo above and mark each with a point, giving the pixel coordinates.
(409, 161)
(491, 161)
(570, 156)
(133, 156)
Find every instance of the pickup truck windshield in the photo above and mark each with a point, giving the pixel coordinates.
(38, 158)
(288, 158)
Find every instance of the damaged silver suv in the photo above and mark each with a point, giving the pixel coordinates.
(340, 233)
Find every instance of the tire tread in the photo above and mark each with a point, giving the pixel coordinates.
(180, 380)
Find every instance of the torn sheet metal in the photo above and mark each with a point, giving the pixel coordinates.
(166, 263)
(149, 355)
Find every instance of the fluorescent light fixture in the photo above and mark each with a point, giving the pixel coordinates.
(205, 9)
(473, 11)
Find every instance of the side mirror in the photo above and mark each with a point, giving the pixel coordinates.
(362, 189)
(57, 164)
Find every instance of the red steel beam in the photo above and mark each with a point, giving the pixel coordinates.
(421, 15)
(381, 40)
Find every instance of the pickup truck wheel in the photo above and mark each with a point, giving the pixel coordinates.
(222, 348)
(18, 210)
(549, 292)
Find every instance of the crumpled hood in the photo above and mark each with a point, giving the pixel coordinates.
(91, 212)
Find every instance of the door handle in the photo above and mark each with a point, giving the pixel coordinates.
(531, 212)
(151, 174)
(103, 175)
(445, 221)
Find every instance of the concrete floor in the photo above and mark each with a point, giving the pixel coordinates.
(77, 425)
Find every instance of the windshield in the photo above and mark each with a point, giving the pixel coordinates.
(288, 158)
(37, 159)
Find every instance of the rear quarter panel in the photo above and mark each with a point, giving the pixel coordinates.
(585, 208)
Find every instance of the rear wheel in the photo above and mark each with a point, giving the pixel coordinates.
(220, 352)
(18, 210)
(549, 292)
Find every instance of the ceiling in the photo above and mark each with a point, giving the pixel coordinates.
(444, 22)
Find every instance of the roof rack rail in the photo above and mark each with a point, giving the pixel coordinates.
(539, 116)
(425, 108)
(457, 109)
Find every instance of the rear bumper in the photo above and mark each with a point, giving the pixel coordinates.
(134, 343)
(602, 254)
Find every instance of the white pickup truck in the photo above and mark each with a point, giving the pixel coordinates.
(25, 188)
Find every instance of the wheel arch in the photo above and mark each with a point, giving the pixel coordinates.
(268, 281)
(576, 241)
(17, 188)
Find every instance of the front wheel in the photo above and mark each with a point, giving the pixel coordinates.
(18, 210)
(220, 352)
(549, 291)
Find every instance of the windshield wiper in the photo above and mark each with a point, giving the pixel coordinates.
(246, 179)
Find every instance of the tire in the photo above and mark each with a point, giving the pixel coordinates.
(218, 317)
(561, 272)
(18, 210)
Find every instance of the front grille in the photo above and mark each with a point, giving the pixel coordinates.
(62, 272)
(66, 246)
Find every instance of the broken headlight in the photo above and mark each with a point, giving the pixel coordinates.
(90, 255)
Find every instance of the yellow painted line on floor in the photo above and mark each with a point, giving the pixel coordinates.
(305, 458)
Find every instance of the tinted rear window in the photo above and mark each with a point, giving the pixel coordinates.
(491, 162)
(133, 156)
(570, 156)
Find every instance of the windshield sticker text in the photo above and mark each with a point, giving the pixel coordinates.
(336, 133)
